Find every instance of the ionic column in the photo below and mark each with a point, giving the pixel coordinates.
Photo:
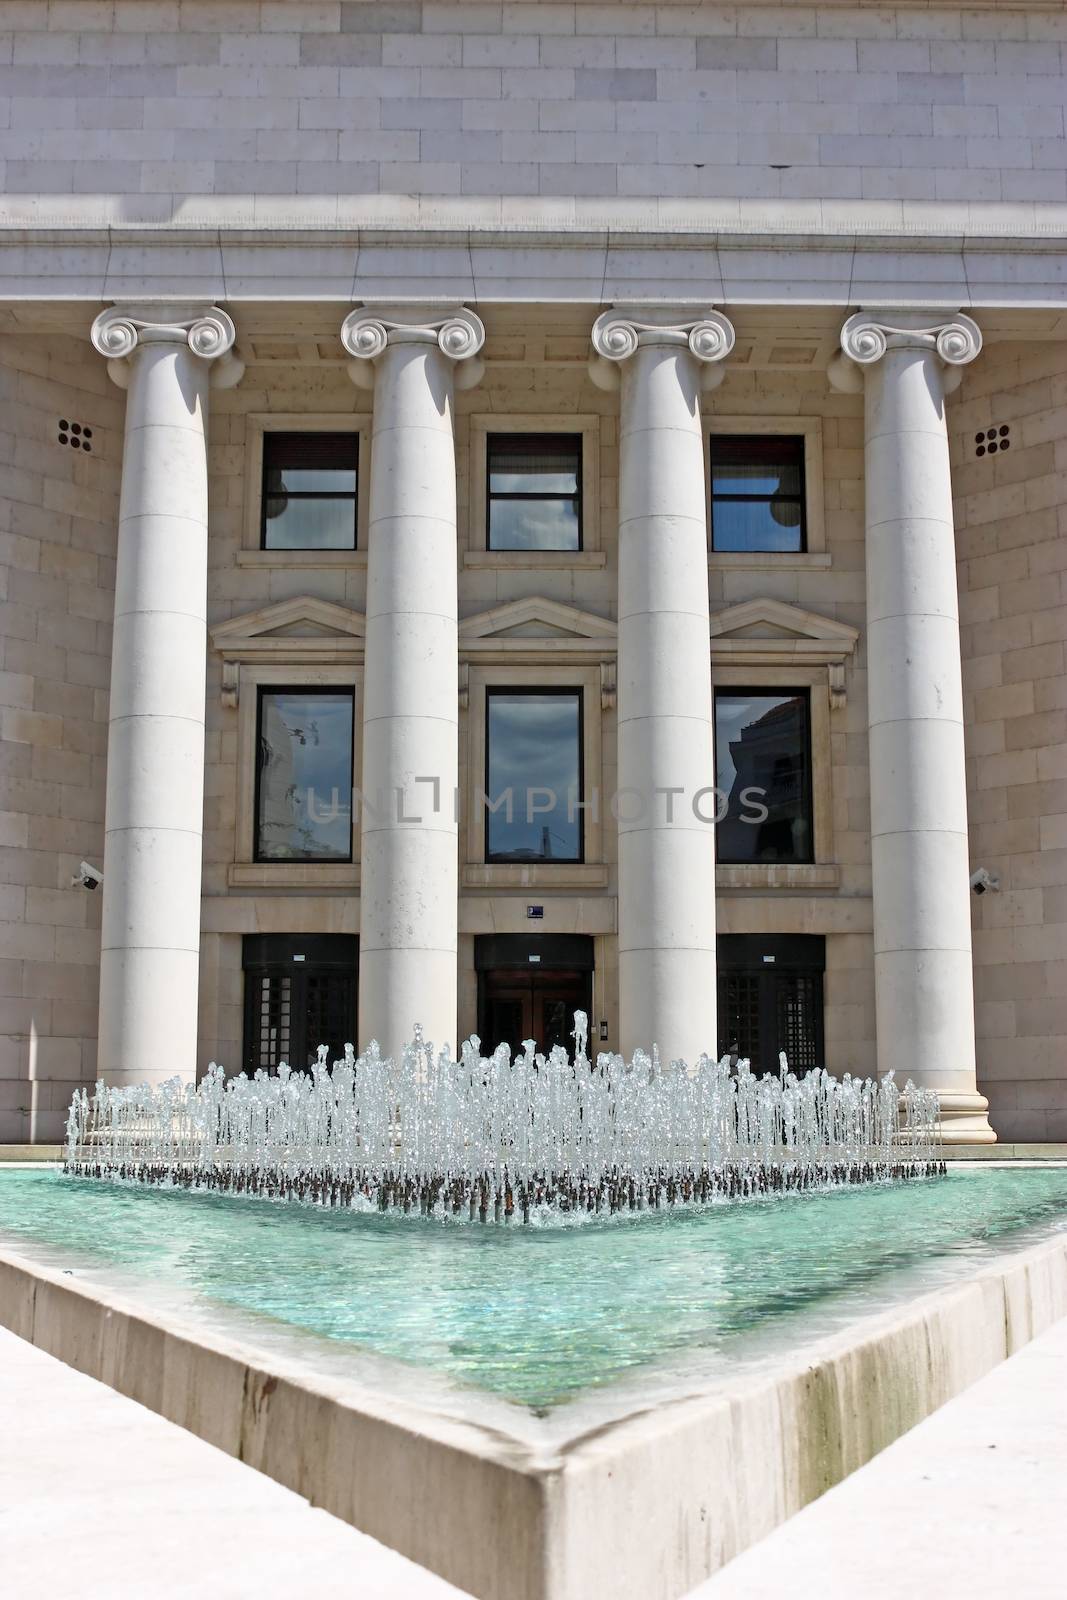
(410, 846)
(150, 945)
(666, 760)
(924, 988)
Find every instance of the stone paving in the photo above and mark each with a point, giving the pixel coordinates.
(101, 1499)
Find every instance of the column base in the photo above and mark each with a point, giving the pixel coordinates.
(965, 1119)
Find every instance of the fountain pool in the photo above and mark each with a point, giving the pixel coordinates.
(545, 1315)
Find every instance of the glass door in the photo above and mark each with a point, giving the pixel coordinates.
(517, 1003)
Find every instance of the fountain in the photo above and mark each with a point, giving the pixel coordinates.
(501, 1137)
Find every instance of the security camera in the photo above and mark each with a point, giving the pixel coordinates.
(981, 880)
(87, 877)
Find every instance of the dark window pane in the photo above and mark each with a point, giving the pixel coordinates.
(311, 452)
(534, 489)
(304, 800)
(309, 491)
(757, 493)
(763, 771)
(534, 463)
(533, 525)
(533, 776)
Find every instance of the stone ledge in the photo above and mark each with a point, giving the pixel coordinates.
(1006, 1152)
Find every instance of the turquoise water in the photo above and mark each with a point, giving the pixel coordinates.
(539, 1315)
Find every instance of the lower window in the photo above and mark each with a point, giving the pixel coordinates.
(533, 779)
(763, 774)
(300, 992)
(771, 999)
(304, 775)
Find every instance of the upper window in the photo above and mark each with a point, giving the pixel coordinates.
(763, 775)
(757, 493)
(304, 775)
(534, 491)
(309, 491)
(533, 779)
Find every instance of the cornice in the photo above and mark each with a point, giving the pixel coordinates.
(492, 221)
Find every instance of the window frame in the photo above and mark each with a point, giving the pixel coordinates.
(810, 429)
(511, 496)
(332, 691)
(309, 494)
(757, 499)
(822, 872)
(477, 552)
(538, 669)
(804, 692)
(257, 424)
(246, 872)
(529, 690)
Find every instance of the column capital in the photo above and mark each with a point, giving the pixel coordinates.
(952, 336)
(617, 334)
(457, 332)
(120, 331)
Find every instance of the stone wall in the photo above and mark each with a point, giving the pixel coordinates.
(1011, 519)
(58, 517)
(170, 101)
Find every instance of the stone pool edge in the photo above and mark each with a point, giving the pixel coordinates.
(643, 1508)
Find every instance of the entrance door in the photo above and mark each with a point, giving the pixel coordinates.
(530, 988)
(771, 999)
(300, 992)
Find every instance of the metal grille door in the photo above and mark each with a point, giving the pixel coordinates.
(771, 998)
(300, 992)
(269, 1039)
(796, 995)
(739, 1013)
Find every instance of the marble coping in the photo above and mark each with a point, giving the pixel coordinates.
(642, 1505)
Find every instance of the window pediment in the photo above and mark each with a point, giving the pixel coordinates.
(538, 631)
(299, 632)
(534, 623)
(772, 633)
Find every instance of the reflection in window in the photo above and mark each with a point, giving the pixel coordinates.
(533, 775)
(534, 491)
(309, 491)
(763, 765)
(757, 493)
(304, 775)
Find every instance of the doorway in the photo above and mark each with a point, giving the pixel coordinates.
(300, 992)
(530, 986)
(771, 998)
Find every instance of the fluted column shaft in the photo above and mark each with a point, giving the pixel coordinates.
(150, 944)
(409, 833)
(667, 989)
(919, 841)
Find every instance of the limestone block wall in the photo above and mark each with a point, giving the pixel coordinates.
(58, 517)
(1012, 543)
(168, 101)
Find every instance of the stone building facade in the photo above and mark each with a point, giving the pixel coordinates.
(829, 234)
